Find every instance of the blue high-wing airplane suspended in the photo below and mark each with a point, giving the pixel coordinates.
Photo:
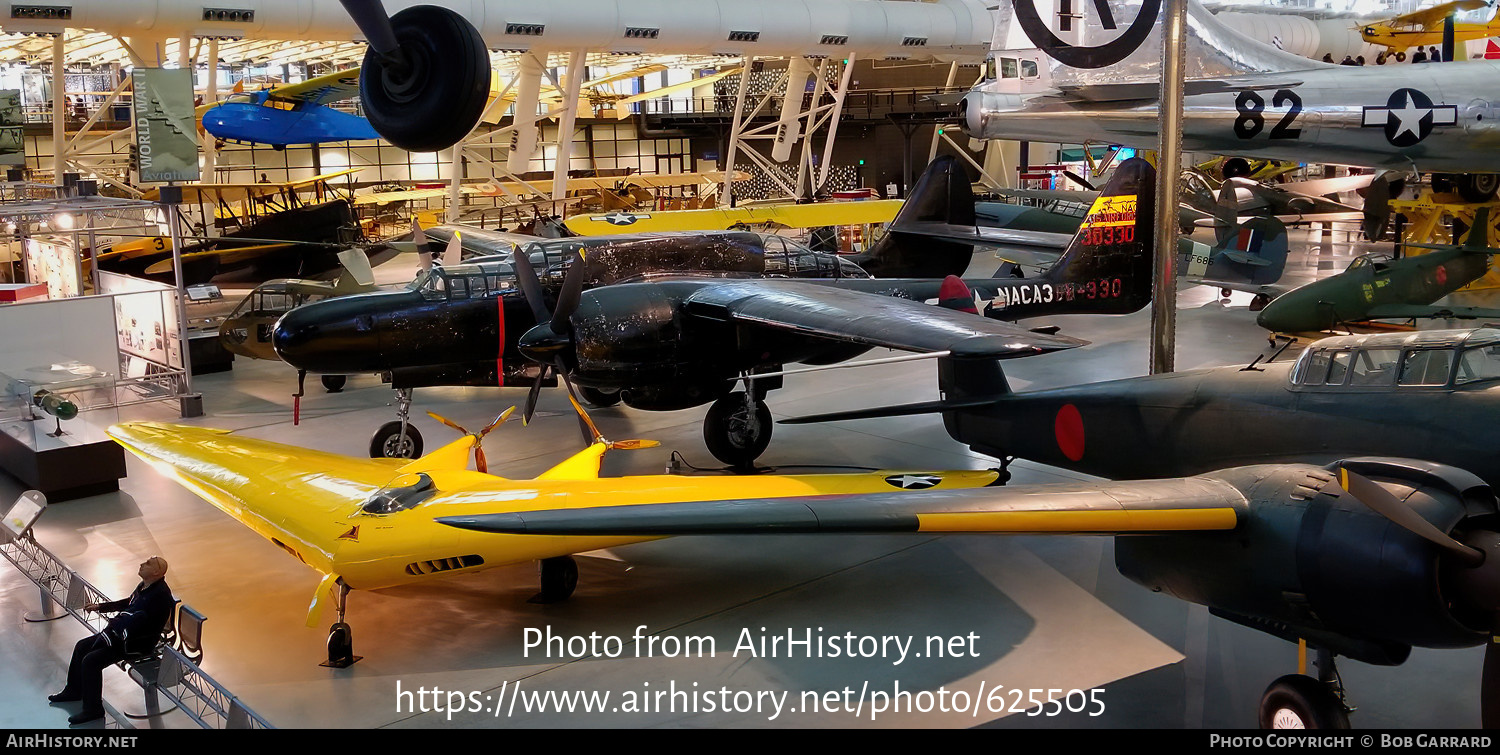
(291, 114)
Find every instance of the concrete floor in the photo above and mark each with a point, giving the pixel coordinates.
(1048, 613)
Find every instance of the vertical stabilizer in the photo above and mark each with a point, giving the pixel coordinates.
(942, 195)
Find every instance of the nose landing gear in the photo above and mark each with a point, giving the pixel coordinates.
(398, 439)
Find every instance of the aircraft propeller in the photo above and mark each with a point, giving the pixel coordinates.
(1226, 211)
(551, 340)
(1476, 583)
(1377, 206)
(480, 464)
(419, 238)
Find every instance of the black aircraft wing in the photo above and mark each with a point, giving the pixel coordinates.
(1179, 504)
(835, 313)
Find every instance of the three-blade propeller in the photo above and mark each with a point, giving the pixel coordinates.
(480, 463)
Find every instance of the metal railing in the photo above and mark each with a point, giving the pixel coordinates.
(858, 104)
(202, 699)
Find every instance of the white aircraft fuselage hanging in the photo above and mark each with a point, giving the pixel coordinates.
(1243, 98)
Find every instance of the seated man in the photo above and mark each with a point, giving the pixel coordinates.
(136, 628)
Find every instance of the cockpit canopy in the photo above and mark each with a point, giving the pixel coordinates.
(1377, 260)
(616, 259)
(1434, 358)
(466, 281)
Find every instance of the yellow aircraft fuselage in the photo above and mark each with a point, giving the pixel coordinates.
(1396, 38)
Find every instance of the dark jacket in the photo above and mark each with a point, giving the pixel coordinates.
(143, 615)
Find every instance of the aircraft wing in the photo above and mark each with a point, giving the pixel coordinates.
(825, 310)
(1317, 187)
(989, 236)
(1150, 90)
(320, 90)
(720, 218)
(1430, 18)
(1081, 197)
(1409, 311)
(1179, 504)
(238, 474)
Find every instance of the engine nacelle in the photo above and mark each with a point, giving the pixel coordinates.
(1311, 561)
(628, 336)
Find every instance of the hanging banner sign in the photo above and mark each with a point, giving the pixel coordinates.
(166, 134)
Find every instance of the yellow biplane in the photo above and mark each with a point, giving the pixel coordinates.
(1424, 28)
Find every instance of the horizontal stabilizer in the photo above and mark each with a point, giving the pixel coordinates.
(1246, 259)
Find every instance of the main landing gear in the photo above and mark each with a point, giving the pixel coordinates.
(559, 577)
(340, 636)
(398, 439)
(737, 428)
(1298, 701)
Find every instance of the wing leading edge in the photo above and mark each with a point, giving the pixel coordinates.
(1141, 506)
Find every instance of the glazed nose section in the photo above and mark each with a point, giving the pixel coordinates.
(321, 338)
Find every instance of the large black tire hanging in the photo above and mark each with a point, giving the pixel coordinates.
(334, 383)
(387, 443)
(445, 87)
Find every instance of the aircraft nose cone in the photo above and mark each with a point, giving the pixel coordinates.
(1277, 319)
(291, 337)
(334, 336)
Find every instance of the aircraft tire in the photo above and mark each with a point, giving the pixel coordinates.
(598, 398)
(559, 577)
(334, 383)
(1235, 167)
(387, 443)
(1297, 701)
(733, 435)
(1478, 187)
(340, 646)
(448, 87)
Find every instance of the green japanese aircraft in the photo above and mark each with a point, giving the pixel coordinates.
(1377, 287)
(1293, 571)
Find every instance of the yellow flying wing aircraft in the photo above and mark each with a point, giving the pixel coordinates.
(720, 218)
(372, 523)
(367, 524)
(1424, 28)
